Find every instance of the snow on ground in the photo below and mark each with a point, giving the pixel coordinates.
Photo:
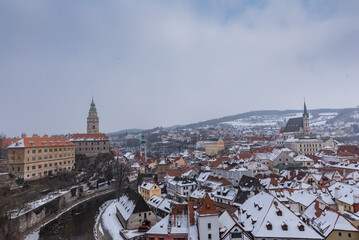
(279, 120)
(328, 114)
(33, 236)
(110, 221)
(32, 205)
(98, 217)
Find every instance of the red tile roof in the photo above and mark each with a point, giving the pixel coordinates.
(42, 142)
(207, 207)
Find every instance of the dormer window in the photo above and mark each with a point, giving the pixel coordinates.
(301, 227)
(279, 212)
(254, 220)
(269, 226)
(248, 215)
(284, 226)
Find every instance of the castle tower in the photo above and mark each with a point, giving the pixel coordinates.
(92, 119)
(306, 128)
(143, 146)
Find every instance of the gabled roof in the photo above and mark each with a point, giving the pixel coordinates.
(33, 142)
(207, 207)
(264, 216)
(131, 202)
(325, 220)
(294, 125)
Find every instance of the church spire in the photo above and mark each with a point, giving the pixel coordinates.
(305, 114)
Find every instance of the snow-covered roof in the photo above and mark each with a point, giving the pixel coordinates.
(125, 206)
(225, 193)
(346, 192)
(147, 185)
(303, 197)
(161, 227)
(155, 201)
(266, 217)
(203, 176)
(325, 220)
(302, 158)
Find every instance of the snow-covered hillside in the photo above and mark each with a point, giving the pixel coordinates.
(278, 121)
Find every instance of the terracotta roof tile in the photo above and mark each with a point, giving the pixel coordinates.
(207, 207)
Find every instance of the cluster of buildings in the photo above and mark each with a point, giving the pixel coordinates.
(294, 185)
(36, 157)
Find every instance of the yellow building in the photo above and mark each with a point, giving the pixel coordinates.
(148, 189)
(304, 161)
(212, 148)
(177, 162)
(37, 157)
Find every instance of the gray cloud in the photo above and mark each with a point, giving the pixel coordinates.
(159, 63)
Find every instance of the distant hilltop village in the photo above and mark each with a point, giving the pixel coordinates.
(289, 176)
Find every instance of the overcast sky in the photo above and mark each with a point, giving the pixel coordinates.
(162, 63)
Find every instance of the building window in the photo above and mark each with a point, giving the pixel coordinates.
(349, 235)
(340, 234)
(209, 236)
(236, 235)
(33, 167)
(39, 151)
(209, 226)
(40, 166)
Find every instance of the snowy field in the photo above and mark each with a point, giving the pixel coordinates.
(279, 120)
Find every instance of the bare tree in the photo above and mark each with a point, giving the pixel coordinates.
(120, 173)
(3, 148)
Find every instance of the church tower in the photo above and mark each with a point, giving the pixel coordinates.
(143, 147)
(306, 128)
(92, 119)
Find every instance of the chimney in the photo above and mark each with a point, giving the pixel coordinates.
(337, 193)
(356, 202)
(23, 135)
(251, 194)
(341, 209)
